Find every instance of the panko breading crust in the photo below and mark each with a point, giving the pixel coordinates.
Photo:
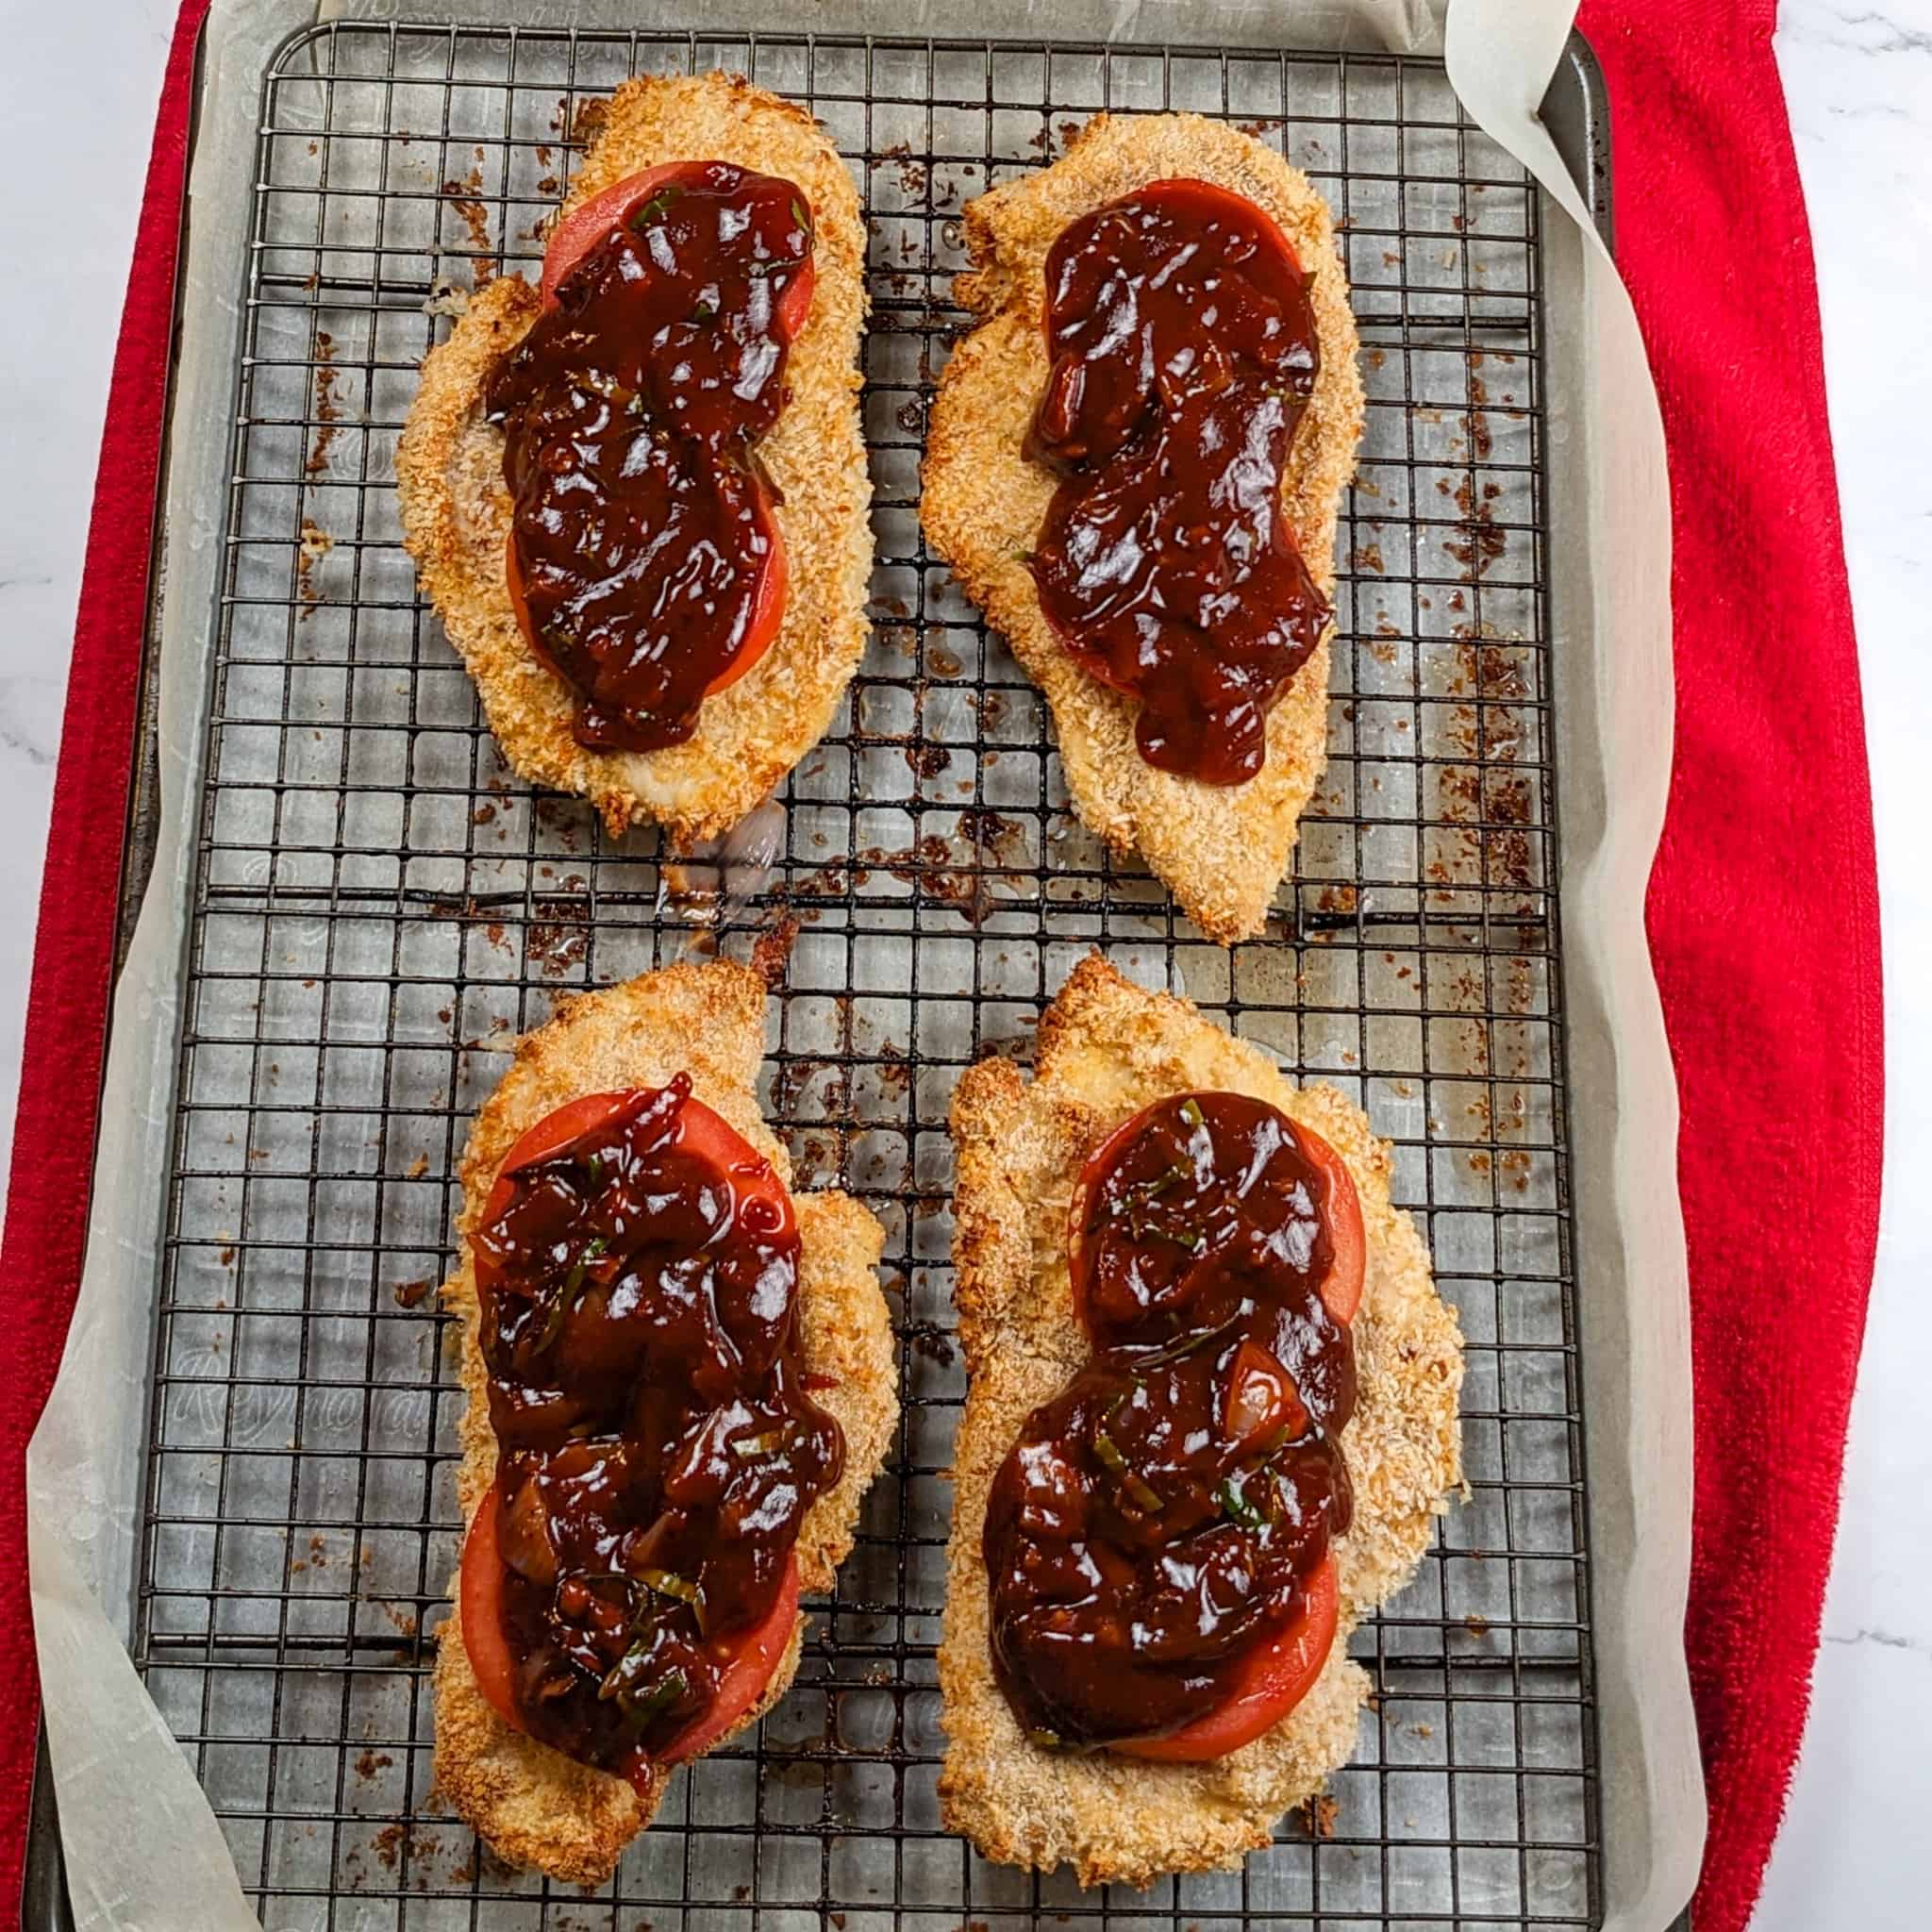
(1221, 850)
(534, 1806)
(1107, 1049)
(456, 510)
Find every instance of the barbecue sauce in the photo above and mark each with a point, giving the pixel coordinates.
(657, 1445)
(1161, 1519)
(1183, 352)
(643, 545)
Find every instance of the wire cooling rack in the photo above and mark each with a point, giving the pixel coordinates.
(380, 905)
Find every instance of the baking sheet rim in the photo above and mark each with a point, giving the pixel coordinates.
(1632, 1278)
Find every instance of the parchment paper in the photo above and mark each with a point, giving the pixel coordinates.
(145, 1852)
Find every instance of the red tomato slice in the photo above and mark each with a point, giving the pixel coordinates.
(767, 606)
(518, 602)
(576, 234)
(588, 223)
(1342, 1209)
(752, 1657)
(479, 1603)
(1278, 1675)
(757, 1190)
(1216, 200)
(700, 1132)
(1209, 199)
(1262, 1399)
(767, 601)
(1091, 1169)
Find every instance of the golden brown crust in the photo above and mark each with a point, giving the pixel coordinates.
(456, 510)
(1221, 850)
(1107, 1049)
(534, 1806)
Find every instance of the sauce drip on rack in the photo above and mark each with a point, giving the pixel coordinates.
(1161, 1519)
(658, 1447)
(643, 553)
(1184, 352)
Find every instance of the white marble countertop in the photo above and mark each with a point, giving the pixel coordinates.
(1858, 77)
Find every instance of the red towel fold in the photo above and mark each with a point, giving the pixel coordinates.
(1763, 912)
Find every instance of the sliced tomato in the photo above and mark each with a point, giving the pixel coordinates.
(587, 224)
(518, 602)
(1207, 198)
(1341, 1291)
(750, 1659)
(519, 599)
(1278, 1675)
(480, 1605)
(1092, 1169)
(1343, 1210)
(746, 1676)
(700, 1133)
(767, 606)
(767, 600)
(553, 1131)
(1262, 1399)
(1198, 199)
(579, 230)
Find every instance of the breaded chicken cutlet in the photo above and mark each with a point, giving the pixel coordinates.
(1221, 849)
(1106, 1050)
(457, 507)
(534, 1806)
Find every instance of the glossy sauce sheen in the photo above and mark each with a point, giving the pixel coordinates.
(1184, 352)
(657, 1441)
(631, 409)
(1136, 1554)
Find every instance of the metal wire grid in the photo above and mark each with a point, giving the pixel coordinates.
(381, 906)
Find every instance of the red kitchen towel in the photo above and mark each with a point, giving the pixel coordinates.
(1763, 907)
(74, 955)
(1762, 910)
